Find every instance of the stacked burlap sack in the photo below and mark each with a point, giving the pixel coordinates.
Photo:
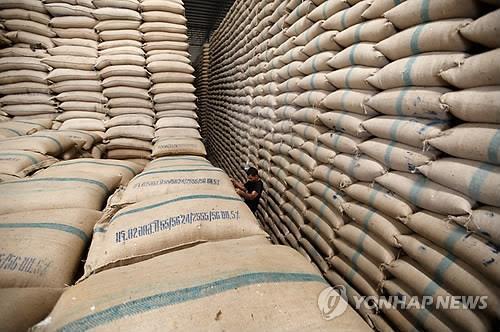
(74, 82)
(124, 79)
(167, 59)
(47, 223)
(23, 76)
(349, 132)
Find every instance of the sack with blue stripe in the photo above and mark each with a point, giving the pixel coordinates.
(168, 222)
(44, 248)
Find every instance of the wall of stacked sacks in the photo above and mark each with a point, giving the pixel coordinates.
(115, 244)
(119, 70)
(375, 126)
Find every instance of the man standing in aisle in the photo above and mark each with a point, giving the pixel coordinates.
(251, 190)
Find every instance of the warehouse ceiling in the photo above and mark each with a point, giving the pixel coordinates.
(203, 17)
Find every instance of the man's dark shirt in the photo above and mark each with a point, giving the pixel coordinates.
(250, 187)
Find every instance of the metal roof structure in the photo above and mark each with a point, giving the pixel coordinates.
(203, 17)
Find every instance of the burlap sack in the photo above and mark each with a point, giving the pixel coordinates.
(473, 105)
(483, 222)
(483, 30)
(83, 124)
(178, 161)
(477, 180)
(145, 133)
(361, 168)
(129, 103)
(307, 35)
(82, 86)
(396, 156)
(350, 100)
(478, 70)
(374, 222)
(26, 99)
(440, 36)
(162, 27)
(362, 54)
(19, 76)
(126, 92)
(129, 143)
(24, 127)
(471, 141)
(453, 273)
(346, 122)
(24, 10)
(319, 152)
(316, 81)
(160, 16)
(331, 196)
(22, 37)
(21, 163)
(381, 199)
(126, 170)
(326, 9)
(369, 31)
(455, 239)
(70, 62)
(41, 142)
(129, 4)
(340, 142)
(419, 70)
(172, 87)
(178, 146)
(29, 259)
(426, 194)
(356, 278)
(108, 13)
(26, 63)
(325, 212)
(170, 6)
(168, 223)
(367, 244)
(68, 22)
(421, 317)
(123, 70)
(106, 60)
(120, 35)
(405, 15)
(82, 139)
(347, 17)
(411, 131)
(318, 240)
(332, 176)
(410, 273)
(65, 74)
(88, 190)
(322, 43)
(25, 87)
(411, 101)
(170, 180)
(354, 77)
(259, 266)
(127, 153)
(82, 96)
(174, 133)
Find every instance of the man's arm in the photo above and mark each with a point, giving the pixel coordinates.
(248, 196)
(238, 184)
